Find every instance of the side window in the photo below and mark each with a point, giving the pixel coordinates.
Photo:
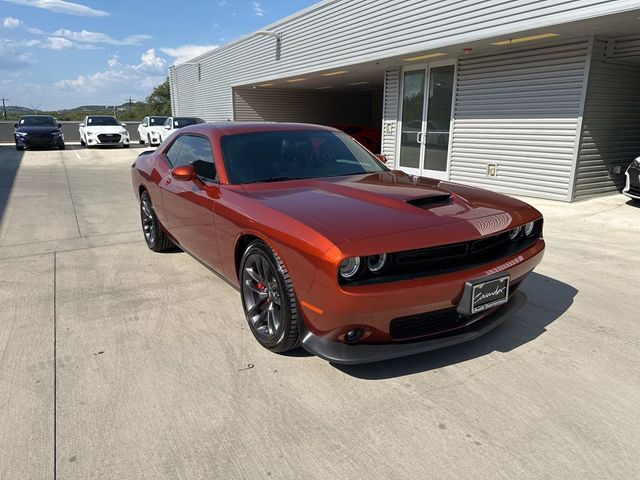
(173, 153)
(167, 122)
(197, 152)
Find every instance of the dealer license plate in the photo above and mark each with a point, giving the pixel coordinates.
(489, 294)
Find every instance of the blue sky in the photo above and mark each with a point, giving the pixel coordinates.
(60, 54)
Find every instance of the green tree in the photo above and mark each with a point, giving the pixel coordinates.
(160, 100)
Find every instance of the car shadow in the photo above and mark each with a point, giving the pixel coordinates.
(548, 299)
(10, 160)
(633, 203)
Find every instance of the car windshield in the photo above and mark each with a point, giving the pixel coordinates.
(103, 121)
(157, 120)
(179, 122)
(273, 156)
(37, 122)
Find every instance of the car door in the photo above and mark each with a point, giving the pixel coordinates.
(142, 128)
(189, 205)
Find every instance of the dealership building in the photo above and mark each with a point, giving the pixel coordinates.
(536, 98)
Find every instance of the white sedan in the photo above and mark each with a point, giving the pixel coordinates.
(174, 123)
(149, 130)
(103, 130)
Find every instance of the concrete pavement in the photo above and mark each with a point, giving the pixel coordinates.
(118, 363)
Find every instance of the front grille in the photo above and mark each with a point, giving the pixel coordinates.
(449, 258)
(433, 323)
(109, 138)
(40, 140)
(424, 324)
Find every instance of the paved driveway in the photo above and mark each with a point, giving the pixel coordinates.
(118, 363)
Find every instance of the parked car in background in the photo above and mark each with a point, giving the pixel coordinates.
(38, 131)
(103, 130)
(368, 136)
(330, 249)
(632, 185)
(149, 130)
(172, 124)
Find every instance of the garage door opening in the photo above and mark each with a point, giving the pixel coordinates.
(353, 105)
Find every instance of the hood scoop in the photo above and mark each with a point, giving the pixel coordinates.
(430, 201)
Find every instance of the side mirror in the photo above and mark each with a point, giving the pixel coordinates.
(167, 127)
(381, 157)
(183, 173)
(81, 125)
(15, 125)
(59, 125)
(123, 124)
(145, 125)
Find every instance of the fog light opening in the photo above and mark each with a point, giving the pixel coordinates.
(352, 336)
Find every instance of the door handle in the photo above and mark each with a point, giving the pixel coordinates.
(419, 137)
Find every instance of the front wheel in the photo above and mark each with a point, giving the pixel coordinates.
(155, 238)
(268, 298)
(125, 145)
(20, 149)
(62, 146)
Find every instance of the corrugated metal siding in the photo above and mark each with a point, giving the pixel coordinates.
(625, 47)
(304, 106)
(610, 126)
(390, 114)
(519, 110)
(338, 33)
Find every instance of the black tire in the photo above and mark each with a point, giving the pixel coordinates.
(82, 142)
(20, 149)
(276, 297)
(142, 142)
(154, 236)
(125, 145)
(62, 146)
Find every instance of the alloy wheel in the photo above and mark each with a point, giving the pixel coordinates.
(262, 296)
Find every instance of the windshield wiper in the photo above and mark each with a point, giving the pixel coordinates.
(272, 179)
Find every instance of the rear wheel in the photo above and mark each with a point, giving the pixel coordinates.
(268, 298)
(155, 238)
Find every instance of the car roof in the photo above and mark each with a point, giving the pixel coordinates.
(36, 116)
(232, 128)
(105, 116)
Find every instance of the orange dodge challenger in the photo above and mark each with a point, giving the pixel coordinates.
(329, 248)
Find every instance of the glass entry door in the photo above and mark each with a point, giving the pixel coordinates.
(427, 97)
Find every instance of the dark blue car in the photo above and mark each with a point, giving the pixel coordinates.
(38, 131)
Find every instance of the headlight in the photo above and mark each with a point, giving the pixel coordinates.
(21, 134)
(637, 162)
(514, 233)
(528, 229)
(124, 132)
(57, 134)
(375, 263)
(90, 134)
(349, 267)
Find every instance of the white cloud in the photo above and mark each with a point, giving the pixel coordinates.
(10, 22)
(187, 52)
(62, 6)
(12, 55)
(85, 36)
(136, 79)
(57, 43)
(257, 9)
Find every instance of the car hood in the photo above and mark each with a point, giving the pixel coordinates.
(38, 130)
(392, 204)
(104, 129)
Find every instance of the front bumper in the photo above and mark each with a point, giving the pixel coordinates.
(342, 353)
(39, 141)
(108, 139)
(632, 184)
